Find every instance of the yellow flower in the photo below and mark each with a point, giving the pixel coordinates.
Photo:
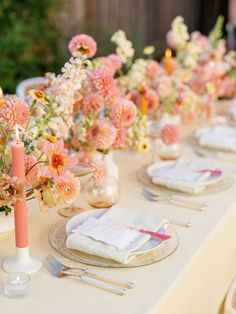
(1, 102)
(38, 95)
(1, 92)
(143, 146)
(50, 138)
(210, 88)
(148, 50)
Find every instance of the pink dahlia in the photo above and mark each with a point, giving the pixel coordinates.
(84, 45)
(197, 84)
(164, 87)
(58, 159)
(102, 134)
(14, 111)
(169, 134)
(153, 69)
(111, 98)
(101, 81)
(115, 60)
(92, 104)
(31, 169)
(99, 171)
(67, 191)
(121, 138)
(152, 99)
(112, 63)
(123, 113)
(134, 96)
(107, 65)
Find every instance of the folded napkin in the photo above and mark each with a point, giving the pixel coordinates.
(218, 137)
(127, 216)
(183, 176)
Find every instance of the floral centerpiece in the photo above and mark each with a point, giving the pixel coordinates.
(104, 119)
(156, 92)
(175, 97)
(42, 124)
(203, 61)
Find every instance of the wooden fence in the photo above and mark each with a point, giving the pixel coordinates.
(144, 21)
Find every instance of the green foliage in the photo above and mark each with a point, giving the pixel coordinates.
(28, 41)
(6, 209)
(216, 33)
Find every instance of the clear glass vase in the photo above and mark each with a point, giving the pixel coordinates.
(169, 152)
(103, 195)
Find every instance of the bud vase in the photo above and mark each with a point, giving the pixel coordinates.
(103, 194)
(169, 152)
(112, 168)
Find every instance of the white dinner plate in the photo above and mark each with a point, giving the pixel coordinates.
(212, 179)
(149, 246)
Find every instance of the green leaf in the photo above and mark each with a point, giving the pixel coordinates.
(7, 209)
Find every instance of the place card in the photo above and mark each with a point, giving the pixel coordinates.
(110, 232)
(178, 173)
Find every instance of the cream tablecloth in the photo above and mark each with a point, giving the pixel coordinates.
(194, 280)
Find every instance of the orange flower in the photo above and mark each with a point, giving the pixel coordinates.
(58, 159)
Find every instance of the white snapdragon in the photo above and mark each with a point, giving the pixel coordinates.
(62, 90)
(137, 73)
(124, 48)
(180, 32)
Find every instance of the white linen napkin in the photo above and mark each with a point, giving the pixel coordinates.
(127, 216)
(218, 137)
(183, 176)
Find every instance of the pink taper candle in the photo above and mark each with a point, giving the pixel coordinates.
(20, 211)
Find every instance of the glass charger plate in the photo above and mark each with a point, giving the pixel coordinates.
(57, 239)
(224, 184)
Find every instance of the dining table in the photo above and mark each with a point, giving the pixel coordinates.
(193, 280)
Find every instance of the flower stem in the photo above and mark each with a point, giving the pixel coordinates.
(38, 162)
(27, 125)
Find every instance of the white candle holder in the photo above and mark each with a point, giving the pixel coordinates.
(21, 262)
(17, 285)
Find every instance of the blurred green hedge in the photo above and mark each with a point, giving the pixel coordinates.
(29, 41)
